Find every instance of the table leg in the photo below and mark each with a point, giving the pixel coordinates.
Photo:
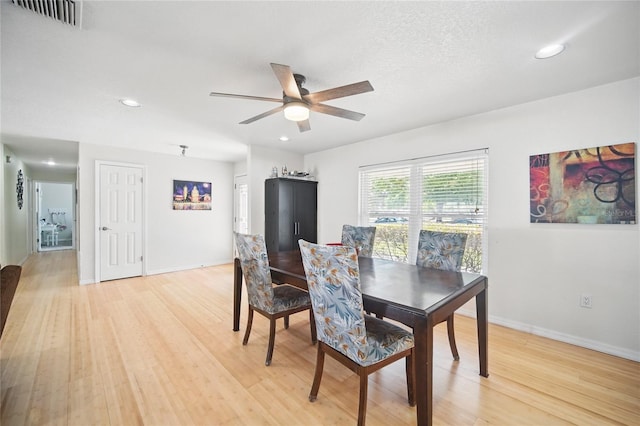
(237, 293)
(483, 330)
(423, 336)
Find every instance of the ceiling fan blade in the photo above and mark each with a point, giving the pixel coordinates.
(263, 115)
(304, 126)
(338, 112)
(287, 81)
(340, 92)
(254, 98)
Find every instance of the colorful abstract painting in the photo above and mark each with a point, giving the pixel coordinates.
(190, 195)
(592, 185)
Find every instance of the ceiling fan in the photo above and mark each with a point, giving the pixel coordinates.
(297, 101)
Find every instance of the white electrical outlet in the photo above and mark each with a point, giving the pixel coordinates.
(586, 301)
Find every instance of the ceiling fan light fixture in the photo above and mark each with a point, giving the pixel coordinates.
(296, 111)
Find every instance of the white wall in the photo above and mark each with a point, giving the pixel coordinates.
(175, 239)
(14, 223)
(240, 168)
(260, 161)
(536, 271)
(53, 175)
(3, 240)
(2, 216)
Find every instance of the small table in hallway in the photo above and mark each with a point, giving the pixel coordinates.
(418, 297)
(49, 235)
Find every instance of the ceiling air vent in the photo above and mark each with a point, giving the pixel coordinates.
(65, 11)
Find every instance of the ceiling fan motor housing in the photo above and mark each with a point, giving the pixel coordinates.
(300, 80)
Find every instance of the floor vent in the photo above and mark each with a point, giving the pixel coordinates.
(66, 11)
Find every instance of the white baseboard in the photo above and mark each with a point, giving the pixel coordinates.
(561, 337)
(169, 270)
(187, 267)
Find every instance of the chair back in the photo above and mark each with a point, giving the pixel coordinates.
(359, 237)
(441, 250)
(333, 279)
(252, 252)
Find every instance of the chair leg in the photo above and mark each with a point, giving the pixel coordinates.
(362, 405)
(272, 341)
(318, 375)
(286, 321)
(249, 322)
(312, 321)
(452, 338)
(411, 377)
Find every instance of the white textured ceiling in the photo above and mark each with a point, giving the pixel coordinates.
(427, 61)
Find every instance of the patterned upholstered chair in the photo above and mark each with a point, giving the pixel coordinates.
(359, 237)
(272, 302)
(442, 250)
(362, 343)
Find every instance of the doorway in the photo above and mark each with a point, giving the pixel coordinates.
(241, 205)
(55, 215)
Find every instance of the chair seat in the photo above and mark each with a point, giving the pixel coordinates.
(384, 339)
(287, 297)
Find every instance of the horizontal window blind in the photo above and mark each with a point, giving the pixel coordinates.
(453, 191)
(445, 193)
(387, 191)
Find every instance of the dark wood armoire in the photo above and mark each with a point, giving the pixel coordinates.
(290, 213)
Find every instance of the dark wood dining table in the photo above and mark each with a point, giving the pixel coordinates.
(418, 297)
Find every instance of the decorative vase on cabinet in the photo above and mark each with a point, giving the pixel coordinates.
(290, 213)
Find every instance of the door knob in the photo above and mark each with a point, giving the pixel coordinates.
(104, 228)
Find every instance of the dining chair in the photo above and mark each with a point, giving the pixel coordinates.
(362, 343)
(442, 250)
(359, 237)
(271, 301)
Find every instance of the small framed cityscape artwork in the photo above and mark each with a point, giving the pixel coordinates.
(191, 195)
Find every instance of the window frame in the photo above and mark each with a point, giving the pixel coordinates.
(413, 211)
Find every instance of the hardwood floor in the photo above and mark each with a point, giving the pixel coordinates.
(159, 350)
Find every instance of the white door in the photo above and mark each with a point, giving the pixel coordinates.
(241, 211)
(120, 223)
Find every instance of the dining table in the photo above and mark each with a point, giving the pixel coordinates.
(415, 296)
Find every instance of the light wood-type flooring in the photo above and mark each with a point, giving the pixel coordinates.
(160, 350)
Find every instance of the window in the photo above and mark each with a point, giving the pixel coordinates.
(445, 193)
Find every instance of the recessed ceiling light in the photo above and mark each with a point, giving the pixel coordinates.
(50, 162)
(550, 51)
(284, 138)
(129, 103)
